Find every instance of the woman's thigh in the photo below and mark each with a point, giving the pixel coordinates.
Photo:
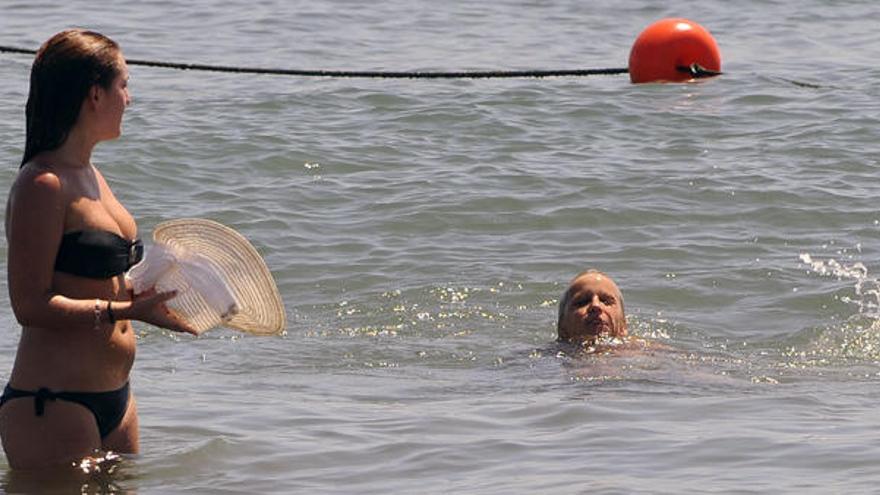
(125, 438)
(65, 433)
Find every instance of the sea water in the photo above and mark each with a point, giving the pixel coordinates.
(421, 232)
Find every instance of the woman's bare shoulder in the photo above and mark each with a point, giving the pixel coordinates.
(37, 177)
(37, 193)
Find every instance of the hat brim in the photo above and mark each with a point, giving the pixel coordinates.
(260, 309)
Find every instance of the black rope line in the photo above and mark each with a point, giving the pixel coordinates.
(361, 74)
(12, 49)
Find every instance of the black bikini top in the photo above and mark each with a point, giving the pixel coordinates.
(97, 254)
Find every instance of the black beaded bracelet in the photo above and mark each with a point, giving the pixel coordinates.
(110, 316)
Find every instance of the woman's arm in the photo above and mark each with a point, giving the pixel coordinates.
(149, 307)
(35, 224)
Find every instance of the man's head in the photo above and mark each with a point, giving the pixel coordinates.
(591, 306)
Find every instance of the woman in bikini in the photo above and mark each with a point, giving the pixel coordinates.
(69, 243)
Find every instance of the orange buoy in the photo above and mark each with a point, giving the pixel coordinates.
(673, 50)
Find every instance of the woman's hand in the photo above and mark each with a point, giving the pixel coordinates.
(149, 307)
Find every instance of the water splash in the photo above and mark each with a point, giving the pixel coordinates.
(867, 289)
(98, 463)
(855, 340)
(100, 472)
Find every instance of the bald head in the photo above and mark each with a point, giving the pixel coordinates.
(591, 306)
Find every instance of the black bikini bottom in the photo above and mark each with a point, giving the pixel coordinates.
(107, 407)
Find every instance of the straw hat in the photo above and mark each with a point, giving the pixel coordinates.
(213, 258)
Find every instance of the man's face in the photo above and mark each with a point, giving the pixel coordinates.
(594, 308)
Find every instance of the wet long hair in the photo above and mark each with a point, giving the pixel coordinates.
(65, 69)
